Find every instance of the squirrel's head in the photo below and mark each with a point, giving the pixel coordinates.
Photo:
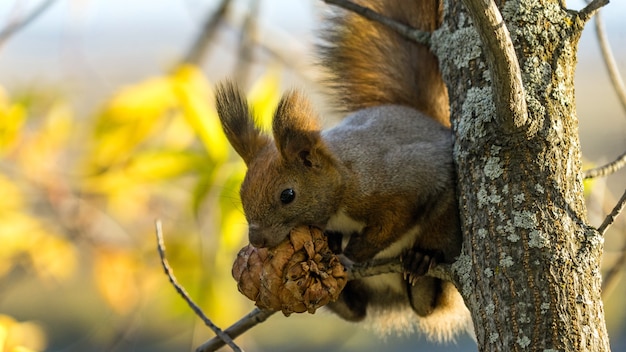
(291, 181)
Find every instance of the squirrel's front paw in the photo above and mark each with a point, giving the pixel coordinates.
(416, 262)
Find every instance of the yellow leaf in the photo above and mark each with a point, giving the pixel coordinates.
(12, 117)
(146, 100)
(161, 164)
(114, 272)
(264, 97)
(234, 230)
(21, 336)
(178, 134)
(16, 238)
(134, 114)
(52, 257)
(41, 153)
(194, 94)
(11, 198)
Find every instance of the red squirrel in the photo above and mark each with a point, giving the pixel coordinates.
(380, 184)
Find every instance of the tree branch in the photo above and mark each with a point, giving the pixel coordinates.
(408, 32)
(197, 51)
(609, 278)
(18, 25)
(608, 221)
(506, 78)
(181, 290)
(248, 38)
(609, 61)
(607, 169)
(256, 316)
(591, 9)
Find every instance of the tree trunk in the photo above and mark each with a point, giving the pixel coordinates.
(530, 267)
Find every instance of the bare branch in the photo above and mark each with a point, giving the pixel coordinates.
(609, 61)
(408, 32)
(373, 268)
(393, 265)
(506, 76)
(607, 169)
(256, 316)
(197, 51)
(181, 290)
(621, 203)
(591, 9)
(18, 25)
(246, 43)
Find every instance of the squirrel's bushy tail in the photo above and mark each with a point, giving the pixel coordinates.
(370, 64)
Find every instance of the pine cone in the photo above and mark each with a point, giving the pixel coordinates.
(300, 274)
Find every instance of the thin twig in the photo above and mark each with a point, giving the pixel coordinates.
(18, 25)
(609, 61)
(591, 9)
(408, 32)
(610, 277)
(608, 221)
(256, 316)
(198, 50)
(181, 290)
(607, 169)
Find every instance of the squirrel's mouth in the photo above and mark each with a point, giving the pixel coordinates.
(261, 237)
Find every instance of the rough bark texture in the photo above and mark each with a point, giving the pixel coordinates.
(530, 269)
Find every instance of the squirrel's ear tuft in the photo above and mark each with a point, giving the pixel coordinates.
(296, 128)
(238, 121)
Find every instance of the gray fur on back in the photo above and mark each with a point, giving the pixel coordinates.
(403, 147)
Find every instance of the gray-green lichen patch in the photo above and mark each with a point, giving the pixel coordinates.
(508, 229)
(493, 168)
(538, 239)
(539, 188)
(490, 308)
(493, 337)
(523, 341)
(513, 237)
(460, 46)
(506, 261)
(478, 109)
(463, 268)
(487, 199)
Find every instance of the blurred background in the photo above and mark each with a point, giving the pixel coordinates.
(107, 123)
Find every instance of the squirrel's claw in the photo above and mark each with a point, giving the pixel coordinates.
(417, 262)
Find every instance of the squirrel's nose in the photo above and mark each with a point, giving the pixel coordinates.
(256, 237)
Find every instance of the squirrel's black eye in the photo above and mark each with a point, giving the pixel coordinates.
(287, 196)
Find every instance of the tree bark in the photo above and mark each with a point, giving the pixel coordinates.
(530, 267)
